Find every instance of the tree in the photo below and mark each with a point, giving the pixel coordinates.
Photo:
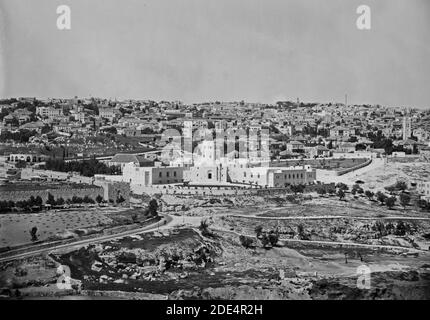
(120, 199)
(153, 208)
(99, 199)
(400, 229)
(298, 188)
(38, 201)
(134, 217)
(380, 227)
(342, 186)
(401, 185)
(60, 201)
(77, 200)
(21, 164)
(258, 230)
(405, 199)
(273, 237)
(87, 199)
(321, 190)
(32, 201)
(51, 200)
(357, 189)
(341, 194)
(389, 202)
(369, 194)
(245, 241)
(204, 228)
(33, 233)
(331, 191)
(381, 197)
(265, 240)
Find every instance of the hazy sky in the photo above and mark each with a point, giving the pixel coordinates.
(199, 50)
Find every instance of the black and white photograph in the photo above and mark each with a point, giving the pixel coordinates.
(228, 150)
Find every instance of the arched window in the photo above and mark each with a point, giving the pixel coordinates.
(210, 175)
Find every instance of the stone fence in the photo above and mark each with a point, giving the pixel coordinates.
(214, 190)
(345, 171)
(63, 192)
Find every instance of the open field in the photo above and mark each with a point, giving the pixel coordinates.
(181, 263)
(59, 224)
(322, 241)
(378, 178)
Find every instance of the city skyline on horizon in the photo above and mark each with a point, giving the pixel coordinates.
(212, 101)
(197, 51)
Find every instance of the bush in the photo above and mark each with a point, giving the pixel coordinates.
(381, 197)
(369, 194)
(247, 242)
(401, 185)
(342, 186)
(299, 188)
(390, 202)
(273, 237)
(405, 199)
(258, 230)
(341, 194)
(204, 228)
(99, 199)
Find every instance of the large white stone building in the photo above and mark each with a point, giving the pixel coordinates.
(148, 176)
(423, 187)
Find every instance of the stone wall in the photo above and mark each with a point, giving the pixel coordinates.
(117, 189)
(215, 191)
(63, 192)
(362, 165)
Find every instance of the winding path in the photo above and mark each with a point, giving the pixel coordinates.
(160, 225)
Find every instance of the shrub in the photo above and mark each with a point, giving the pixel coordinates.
(390, 202)
(405, 199)
(381, 197)
(245, 241)
(369, 194)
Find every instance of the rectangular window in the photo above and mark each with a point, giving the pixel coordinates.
(159, 174)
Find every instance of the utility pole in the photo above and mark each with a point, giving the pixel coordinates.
(346, 100)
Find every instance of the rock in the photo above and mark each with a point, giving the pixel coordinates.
(21, 272)
(119, 281)
(97, 266)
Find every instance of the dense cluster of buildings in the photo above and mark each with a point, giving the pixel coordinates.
(295, 131)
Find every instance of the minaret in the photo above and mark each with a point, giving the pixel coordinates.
(407, 126)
